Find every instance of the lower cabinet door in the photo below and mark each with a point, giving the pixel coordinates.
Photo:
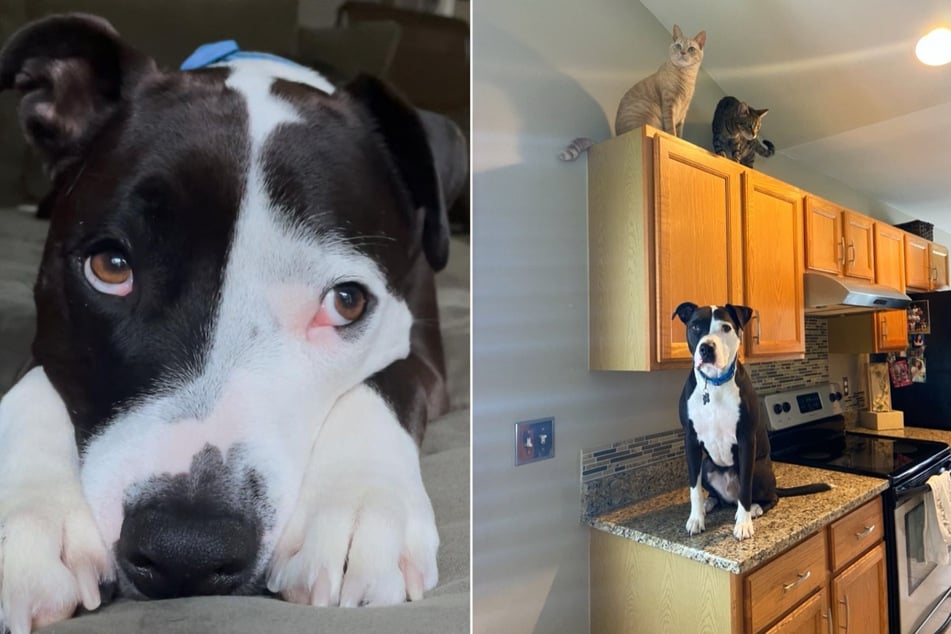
(811, 617)
(859, 603)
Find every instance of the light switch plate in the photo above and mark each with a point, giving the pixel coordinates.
(534, 440)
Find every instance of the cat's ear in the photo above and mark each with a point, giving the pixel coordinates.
(700, 38)
(760, 113)
(678, 34)
(743, 109)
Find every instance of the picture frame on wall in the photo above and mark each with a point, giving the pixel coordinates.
(919, 318)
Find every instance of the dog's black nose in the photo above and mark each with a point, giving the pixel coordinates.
(179, 552)
(708, 353)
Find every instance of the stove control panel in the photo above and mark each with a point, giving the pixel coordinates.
(788, 409)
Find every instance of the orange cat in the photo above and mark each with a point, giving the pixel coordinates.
(660, 99)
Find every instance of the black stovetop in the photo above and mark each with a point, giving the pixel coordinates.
(826, 445)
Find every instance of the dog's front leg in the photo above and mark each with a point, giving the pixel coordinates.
(363, 531)
(694, 462)
(52, 557)
(745, 512)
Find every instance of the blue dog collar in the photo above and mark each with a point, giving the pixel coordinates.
(225, 51)
(716, 382)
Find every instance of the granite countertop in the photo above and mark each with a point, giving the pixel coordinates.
(921, 433)
(659, 521)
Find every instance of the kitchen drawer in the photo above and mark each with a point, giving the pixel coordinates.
(855, 533)
(785, 581)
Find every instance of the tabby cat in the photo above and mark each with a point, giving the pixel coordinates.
(661, 99)
(735, 127)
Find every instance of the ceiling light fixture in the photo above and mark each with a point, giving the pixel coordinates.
(934, 49)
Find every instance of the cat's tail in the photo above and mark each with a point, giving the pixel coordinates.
(768, 150)
(575, 149)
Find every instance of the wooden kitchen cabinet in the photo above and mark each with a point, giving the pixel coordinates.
(917, 262)
(812, 615)
(697, 236)
(664, 220)
(670, 222)
(833, 580)
(891, 330)
(939, 266)
(838, 241)
(772, 267)
(926, 264)
(882, 331)
(859, 593)
(889, 256)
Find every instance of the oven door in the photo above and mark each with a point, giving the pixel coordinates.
(923, 586)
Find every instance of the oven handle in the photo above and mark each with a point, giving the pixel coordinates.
(907, 493)
(902, 494)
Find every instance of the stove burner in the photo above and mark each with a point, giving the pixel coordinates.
(815, 454)
(905, 447)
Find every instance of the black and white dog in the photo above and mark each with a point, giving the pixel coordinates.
(237, 345)
(720, 415)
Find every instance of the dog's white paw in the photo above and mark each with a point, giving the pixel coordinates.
(743, 528)
(756, 510)
(375, 548)
(363, 531)
(52, 557)
(695, 524)
(697, 506)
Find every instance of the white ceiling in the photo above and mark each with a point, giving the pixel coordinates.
(845, 91)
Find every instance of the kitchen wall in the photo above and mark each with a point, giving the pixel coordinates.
(546, 71)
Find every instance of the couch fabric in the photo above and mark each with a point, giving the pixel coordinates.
(445, 468)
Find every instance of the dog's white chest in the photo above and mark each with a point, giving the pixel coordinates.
(715, 421)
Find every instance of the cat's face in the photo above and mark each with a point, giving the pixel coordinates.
(750, 120)
(684, 51)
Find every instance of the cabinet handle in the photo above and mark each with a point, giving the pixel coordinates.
(842, 250)
(852, 251)
(934, 274)
(868, 531)
(884, 323)
(759, 327)
(828, 617)
(802, 577)
(845, 626)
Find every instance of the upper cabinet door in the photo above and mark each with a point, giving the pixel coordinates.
(889, 256)
(825, 245)
(773, 264)
(939, 266)
(917, 262)
(697, 236)
(859, 245)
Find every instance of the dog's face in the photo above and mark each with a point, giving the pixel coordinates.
(714, 334)
(229, 253)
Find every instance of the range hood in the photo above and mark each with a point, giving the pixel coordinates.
(829, 296)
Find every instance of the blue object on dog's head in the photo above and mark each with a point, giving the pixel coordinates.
(225, 51)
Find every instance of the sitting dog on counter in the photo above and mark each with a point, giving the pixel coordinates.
(719, 411)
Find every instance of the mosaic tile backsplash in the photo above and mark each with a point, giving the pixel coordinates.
(630, 470)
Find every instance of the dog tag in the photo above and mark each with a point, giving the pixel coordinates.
(706, 397)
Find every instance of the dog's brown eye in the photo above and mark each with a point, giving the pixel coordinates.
(111, 267)
(727, 328)
(346, 303)
(109, 272)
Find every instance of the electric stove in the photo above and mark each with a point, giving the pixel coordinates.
(807, 427)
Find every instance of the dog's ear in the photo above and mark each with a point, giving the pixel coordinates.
(71, 71)
(740, 314)
(685, 311)
(430, 154)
